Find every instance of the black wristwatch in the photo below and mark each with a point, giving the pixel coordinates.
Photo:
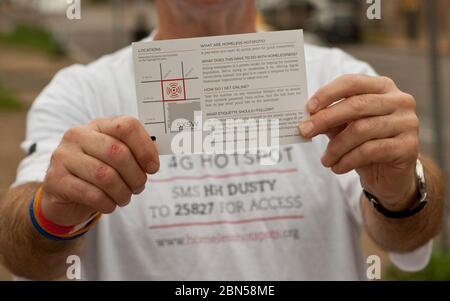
(421, 197)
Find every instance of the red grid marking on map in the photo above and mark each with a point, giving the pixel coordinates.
(164, 92)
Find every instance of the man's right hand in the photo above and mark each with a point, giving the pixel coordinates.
(97, 167)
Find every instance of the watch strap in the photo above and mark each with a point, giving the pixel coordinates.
(395, 214)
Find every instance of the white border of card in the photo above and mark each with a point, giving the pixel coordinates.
(189, 89)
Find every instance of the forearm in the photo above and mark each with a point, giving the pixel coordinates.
(23, 250)
(407, 234)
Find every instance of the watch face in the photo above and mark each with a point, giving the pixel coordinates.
(421, 179)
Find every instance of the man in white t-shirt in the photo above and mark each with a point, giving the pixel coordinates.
(219, 217)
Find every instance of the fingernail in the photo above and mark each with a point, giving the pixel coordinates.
(152, 167)
(125, 204)
(313, 105)
(336, 169)
(325, 161)
(307, 128)
(140, 190)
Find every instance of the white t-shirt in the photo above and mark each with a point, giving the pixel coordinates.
(209, 217)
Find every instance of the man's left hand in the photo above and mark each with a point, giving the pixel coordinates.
(373, 129)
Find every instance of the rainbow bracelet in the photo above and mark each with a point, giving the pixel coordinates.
(53, 231)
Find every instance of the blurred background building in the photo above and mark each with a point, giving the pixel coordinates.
(37, 39)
